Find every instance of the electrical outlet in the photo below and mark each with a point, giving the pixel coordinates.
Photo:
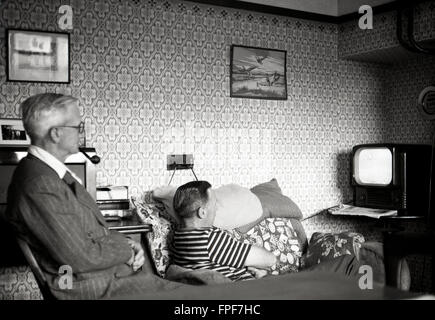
(179, 161)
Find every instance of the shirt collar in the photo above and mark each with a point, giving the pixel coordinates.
(52, 162)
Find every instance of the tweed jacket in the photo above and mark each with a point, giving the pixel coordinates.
(63, 226)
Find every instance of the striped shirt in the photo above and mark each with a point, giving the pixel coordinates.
(211, 248)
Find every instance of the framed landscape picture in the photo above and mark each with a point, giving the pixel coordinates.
(258, 73)
(12, 133)
(38, 56)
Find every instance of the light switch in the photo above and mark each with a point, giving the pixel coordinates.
(179, 161)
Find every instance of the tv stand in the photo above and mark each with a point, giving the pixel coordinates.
(399, 243)
(394, 223)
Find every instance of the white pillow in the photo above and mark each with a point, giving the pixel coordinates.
(236, 205)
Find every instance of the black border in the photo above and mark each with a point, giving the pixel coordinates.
(40, 31)
(232, 95)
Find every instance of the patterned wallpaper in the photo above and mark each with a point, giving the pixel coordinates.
(353, 40)
(152, 78)
(406, 82)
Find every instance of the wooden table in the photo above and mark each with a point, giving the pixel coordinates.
(129, 225)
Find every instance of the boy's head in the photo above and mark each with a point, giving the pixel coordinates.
(195, 203)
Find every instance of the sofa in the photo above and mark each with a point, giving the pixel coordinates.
(263, 216)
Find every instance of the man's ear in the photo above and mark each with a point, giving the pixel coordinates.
(201, 213)
(54, 135)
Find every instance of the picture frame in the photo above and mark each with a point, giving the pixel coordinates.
(38, 56)
(12, 133)
(258, 73)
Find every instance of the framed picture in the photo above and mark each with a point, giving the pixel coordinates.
(38, 56)
(258, 73)
(12, 133)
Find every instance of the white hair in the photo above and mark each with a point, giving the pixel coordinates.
(43, 111)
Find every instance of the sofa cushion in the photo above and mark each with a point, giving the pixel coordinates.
(327, 246)
(195, 276)
(300, 231)
(274, 204)
(236, 205)
(159, 241)
(164, 195)
(278, 236)
(371, 253)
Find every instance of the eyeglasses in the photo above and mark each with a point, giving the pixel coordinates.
(80, 127)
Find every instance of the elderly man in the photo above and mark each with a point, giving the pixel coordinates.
(55, 215)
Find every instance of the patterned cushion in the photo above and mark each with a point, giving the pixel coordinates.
(278, 236)
(274, 204)
(160, 240)
(327, 246)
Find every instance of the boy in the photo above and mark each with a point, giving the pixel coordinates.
(200, 245)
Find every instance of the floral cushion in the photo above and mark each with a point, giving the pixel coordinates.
(278, 236)
(159, 241)
(327, 246)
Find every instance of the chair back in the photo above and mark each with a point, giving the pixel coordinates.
(34, 266)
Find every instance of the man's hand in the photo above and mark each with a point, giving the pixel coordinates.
(259, 257)
(258, 273)
(138, 258)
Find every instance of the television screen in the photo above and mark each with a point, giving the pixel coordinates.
(373, 166)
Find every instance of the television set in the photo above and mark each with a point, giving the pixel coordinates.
(392, 176)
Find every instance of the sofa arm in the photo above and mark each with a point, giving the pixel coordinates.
(372, 253)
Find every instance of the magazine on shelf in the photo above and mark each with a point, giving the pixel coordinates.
(112, 193)
(349, 210)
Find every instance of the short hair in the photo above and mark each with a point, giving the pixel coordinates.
(190, 197)
(38, 112)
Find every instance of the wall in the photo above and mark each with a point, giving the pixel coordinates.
(356, 42)
(405, 82)
(152, 79)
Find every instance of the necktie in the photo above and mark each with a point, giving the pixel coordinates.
(77, 188)
(69, 179)
(72, 183)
